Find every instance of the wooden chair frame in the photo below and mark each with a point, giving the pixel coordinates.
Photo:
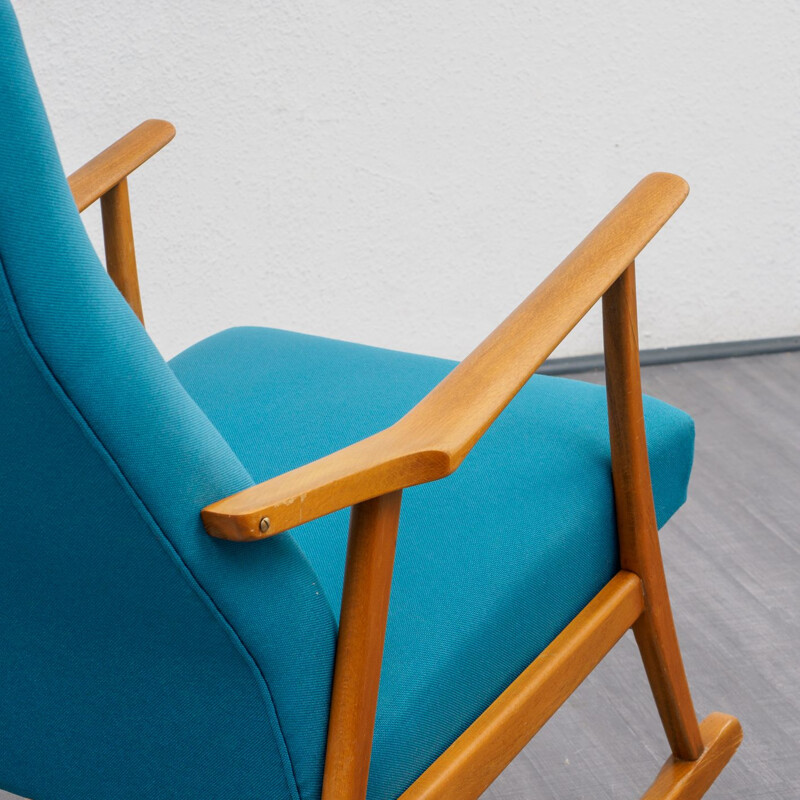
(105, 178)
(429, 443)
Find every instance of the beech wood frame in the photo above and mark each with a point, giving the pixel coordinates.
(429, 443)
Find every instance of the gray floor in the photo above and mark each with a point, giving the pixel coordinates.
(733, 562)
(732, 556)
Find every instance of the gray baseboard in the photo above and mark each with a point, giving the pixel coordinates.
(676, 355)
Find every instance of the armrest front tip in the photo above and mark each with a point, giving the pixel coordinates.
(161, 129)
(238, 528)
(669, 184)
(98, 176)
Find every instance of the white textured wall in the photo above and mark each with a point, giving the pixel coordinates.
(404, 174)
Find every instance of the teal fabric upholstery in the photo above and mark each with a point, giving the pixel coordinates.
(140, 658)
(492, 563)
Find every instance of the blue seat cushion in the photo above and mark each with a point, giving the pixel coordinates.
(492, 563)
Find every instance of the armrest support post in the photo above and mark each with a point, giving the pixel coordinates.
(118, 237)
(359, 650)
(640, 551)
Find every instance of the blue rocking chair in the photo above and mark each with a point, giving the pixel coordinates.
(182, 612)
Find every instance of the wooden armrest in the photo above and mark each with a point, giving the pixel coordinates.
(105, 177)
(431, 440)
(106, 170)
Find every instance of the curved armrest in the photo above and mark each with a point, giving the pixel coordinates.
(91, 181)
(431, 440)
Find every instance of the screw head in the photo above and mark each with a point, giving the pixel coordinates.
(263, 526)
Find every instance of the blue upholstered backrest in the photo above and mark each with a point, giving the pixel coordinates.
(139, 656)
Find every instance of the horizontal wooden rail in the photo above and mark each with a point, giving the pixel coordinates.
(435, 436)
(486, 748)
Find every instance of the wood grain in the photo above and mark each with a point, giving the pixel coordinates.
(478, 756)
(91, 181)
(435, 436)
(640, 551)
(359, 649)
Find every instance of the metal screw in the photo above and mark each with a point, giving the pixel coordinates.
(263, 526)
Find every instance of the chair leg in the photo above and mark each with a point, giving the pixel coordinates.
(640, 551)
(658, 645)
